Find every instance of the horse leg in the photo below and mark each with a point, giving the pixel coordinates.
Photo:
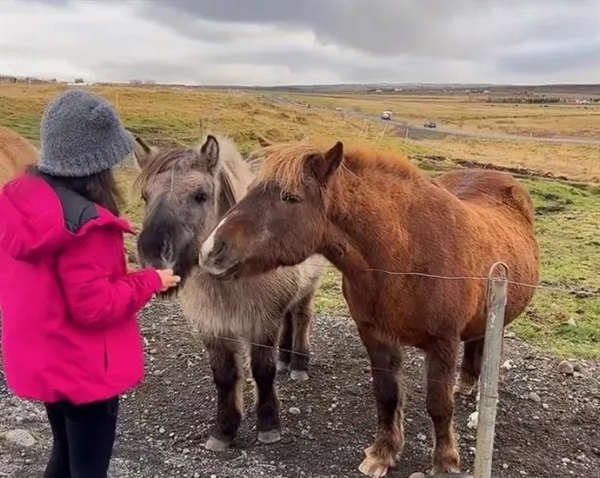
(226, 366)
(386, 365)
(470, 368)
(285, 342)
(301, 320)
(267, 403)
(441, 363)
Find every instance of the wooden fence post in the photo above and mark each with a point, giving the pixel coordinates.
(492, 351)
(384, 130)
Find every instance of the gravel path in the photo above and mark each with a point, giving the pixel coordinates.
(548, 421)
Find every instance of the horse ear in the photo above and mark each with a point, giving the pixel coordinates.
(142, 152)
(210, 154)
(324, 166)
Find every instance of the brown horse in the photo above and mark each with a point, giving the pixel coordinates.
(16, 154)
(186, 191)
(375, 215)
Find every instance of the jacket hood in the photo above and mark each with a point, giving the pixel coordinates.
(32, 222)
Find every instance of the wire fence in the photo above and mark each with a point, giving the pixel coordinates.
(578, 291)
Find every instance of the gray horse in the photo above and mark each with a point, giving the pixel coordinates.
(186, 191)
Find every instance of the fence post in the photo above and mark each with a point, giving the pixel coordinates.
(384, 130)
(492, 350)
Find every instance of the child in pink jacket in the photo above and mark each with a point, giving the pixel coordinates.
(70, 336)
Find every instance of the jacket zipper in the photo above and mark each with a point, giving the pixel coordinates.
(105, 354)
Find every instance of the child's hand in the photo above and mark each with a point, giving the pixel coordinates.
(168, 279)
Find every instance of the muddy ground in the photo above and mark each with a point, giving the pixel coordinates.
(548, 422)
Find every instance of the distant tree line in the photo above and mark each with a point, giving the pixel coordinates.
(539, 100)
(30, 80)
(526, 99)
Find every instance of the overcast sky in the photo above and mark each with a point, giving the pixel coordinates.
(267, 42)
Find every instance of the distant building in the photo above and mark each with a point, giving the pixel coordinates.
(79, 82)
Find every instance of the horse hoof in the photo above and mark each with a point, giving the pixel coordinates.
(299, 375)
(372, 468)
(282, 366)
(214, 444)
(269, 437)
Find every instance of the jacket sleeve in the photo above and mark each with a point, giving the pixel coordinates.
(95, 293)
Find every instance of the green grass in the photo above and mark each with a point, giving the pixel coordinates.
(567, 223)
(329, 299)
(567, 226)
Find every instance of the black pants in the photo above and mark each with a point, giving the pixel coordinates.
(83, 438)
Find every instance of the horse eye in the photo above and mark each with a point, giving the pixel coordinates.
(291, 198)
(200, 197)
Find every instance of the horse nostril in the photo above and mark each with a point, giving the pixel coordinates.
(166, 251)
(218, 249)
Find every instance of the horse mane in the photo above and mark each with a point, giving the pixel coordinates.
(16, 154)
(284, 163)
(165, 160)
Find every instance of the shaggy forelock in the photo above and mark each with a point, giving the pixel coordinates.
(284, 164)
(163, 161)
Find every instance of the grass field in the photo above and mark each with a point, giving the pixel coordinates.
(582, 121)
(568, 214)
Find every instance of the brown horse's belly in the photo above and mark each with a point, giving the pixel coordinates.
(398, 315)
(523, 264)
(415, 310)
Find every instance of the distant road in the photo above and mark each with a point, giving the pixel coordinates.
(420, 132)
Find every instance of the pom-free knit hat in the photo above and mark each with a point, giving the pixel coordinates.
(82, 135)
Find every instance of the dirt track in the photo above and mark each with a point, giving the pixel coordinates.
(166, 422)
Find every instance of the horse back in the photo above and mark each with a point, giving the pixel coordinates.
(489, 188)
(16, 153)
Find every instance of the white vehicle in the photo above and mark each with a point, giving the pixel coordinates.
(386, 115)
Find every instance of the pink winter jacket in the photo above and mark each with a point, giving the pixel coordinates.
(68, 305)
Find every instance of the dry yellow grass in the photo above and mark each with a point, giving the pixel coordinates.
(458, 112)
(576, 162)
(169, 115)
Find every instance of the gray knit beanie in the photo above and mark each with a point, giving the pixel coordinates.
(82, 135)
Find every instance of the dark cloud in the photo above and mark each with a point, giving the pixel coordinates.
(452, 29)
(275, 41)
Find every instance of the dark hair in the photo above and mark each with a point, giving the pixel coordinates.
(100, 188)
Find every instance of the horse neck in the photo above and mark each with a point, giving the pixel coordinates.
(365, 216)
